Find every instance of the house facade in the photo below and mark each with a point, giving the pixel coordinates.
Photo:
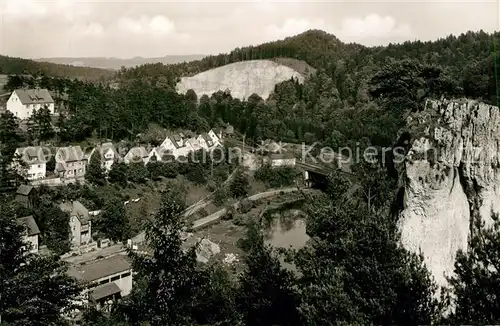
(31, 232)
(23, 102)
(176, 145)
(109, 155)
(79, 222)
(104, 281)
(206, 141)
(70, 162)
(216, 136)
(34, 159)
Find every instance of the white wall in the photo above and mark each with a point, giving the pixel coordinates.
(21, 111)
(33, 241)
(36, 171)
(75, 227)
(283, 162)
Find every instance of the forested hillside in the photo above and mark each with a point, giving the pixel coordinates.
(357, 94)
(17, 66)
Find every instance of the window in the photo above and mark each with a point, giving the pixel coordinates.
(106, 281)
(115, 278)
(125, 275)
(39, 166)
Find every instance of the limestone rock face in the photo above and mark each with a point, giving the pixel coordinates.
(451, 175)
(241, 78)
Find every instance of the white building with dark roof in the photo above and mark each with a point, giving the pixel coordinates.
(35, 161)
(79, 222)
(104, 280)
(23, 102)
(31, 233)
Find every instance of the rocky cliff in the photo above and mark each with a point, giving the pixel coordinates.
(451, 174)
(241, 78)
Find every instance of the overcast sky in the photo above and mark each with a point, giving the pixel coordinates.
(63, 28)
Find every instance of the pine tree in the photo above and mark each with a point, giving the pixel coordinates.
(95, 172)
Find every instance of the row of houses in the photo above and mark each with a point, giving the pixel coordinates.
(71, 161)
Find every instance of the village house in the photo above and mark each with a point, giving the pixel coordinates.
(79, 222)
(176, 145)
(216, 136)
(270, 146)
(156, 154)
(109, 155)
(23, 102)
(206, 141)
(280, 159)
(35, 161)
(194, 144)
(31, 233)
(26, 196)
(136, 155)
(70, 162)
(104, 281)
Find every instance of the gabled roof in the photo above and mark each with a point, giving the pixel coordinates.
(30, 224)
(176, 139)
(32, 154)
(76, 208)
(208, 139)
(137, 152)
(34, 96)
(24, 190)
(108, 146)
(70, 154)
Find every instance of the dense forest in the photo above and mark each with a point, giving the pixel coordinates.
(352, 272)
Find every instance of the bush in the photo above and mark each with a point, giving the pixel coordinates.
(220, 196)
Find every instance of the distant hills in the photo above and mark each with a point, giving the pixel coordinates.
(117, 63)
(19, 66)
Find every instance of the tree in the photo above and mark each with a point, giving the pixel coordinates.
(119, 174)
(113, 221)
(239, 186)
(265, 295)
(34, 289)
(169, 277)
(54, 225)
(95, 172)
(475, 283)
(43, 122)
(138, 172)
(355, 266)
(9, 134)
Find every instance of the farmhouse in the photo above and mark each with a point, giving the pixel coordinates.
(35, 162)
(23, 102)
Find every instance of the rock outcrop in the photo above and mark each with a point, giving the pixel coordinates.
(452, 174)
(241, 78)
